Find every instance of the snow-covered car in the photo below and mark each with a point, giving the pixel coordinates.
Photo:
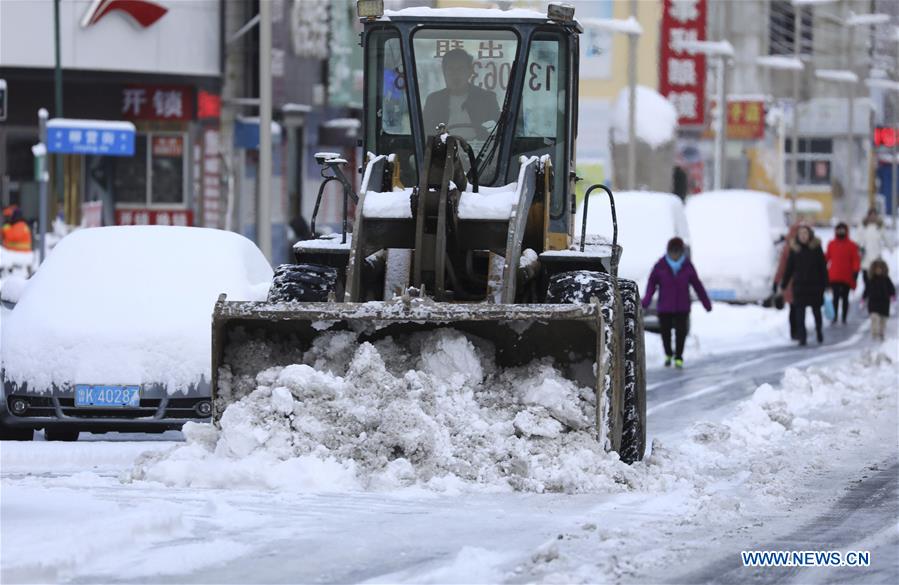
(736, 237)
(646, 221)
(112, 333)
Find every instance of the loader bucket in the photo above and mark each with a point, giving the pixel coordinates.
(571, 335)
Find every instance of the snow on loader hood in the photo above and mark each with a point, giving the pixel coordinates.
(128, 305)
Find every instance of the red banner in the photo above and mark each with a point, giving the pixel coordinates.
(682, 75)
(182, 217)
(156, 102)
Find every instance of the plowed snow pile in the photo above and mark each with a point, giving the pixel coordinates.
(433, 410)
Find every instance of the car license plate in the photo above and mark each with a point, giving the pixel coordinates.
(107, 395)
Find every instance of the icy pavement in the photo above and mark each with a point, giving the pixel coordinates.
(748, 454)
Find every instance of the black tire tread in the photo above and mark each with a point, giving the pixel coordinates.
(580, 287)
(303, 283)
(633, 431)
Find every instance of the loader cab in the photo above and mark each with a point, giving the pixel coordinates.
(506, 82)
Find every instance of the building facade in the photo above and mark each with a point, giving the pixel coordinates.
(160, 69)
(833, 48)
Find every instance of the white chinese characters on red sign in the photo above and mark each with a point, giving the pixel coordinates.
(682, 75)
(150, 102)
(182, 217)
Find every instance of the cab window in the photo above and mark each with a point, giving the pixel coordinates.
(540, 128)
(388, 125)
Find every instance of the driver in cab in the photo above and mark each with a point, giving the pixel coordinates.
(462, 106)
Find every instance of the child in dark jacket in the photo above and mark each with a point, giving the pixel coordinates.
(673, 275)
(879, 292)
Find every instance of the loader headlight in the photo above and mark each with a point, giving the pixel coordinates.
(369, 9)
(560, 12)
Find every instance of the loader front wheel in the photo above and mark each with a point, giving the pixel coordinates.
(302, 282)
(579, 287)
(633, 431)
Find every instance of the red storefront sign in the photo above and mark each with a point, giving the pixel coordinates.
(209, 105)
(682, 75)
(745, 120)
(183, 217)
(156, 102)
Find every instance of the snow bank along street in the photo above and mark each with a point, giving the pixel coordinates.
(255, 495)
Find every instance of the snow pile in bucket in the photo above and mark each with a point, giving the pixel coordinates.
(431, 410)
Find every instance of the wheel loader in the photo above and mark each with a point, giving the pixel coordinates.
(465, 215)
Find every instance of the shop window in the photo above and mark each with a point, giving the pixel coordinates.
(155, 176)
(128, 173)
(814, 158)
(167, 164)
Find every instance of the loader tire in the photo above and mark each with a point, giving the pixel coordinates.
(579, 287)
(302, 282)
(633, 431)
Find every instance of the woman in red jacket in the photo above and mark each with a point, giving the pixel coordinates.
(843, 264)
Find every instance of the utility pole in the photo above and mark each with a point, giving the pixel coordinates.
(40, 156)
(57, 87)
(895, 179)
(721, 123)
(264, 196)
(794, 131)
(849, 196)
(632, 47)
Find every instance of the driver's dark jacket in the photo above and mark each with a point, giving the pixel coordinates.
(480, 105)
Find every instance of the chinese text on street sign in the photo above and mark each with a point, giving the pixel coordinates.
(682, 74)
(70, 136)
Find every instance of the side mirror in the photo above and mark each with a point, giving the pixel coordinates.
(13, 286)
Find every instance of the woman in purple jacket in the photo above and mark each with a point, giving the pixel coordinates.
(673, 274)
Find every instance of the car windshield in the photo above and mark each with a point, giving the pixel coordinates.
(463, 77)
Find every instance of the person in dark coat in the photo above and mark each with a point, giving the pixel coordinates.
(673, 275)
(787, 292)
(879, 292)
(807, 272)
(462, 106)
(843, 265)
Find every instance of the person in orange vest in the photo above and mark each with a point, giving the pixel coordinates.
(16, 233)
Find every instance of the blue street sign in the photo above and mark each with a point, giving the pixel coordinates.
(70, 136)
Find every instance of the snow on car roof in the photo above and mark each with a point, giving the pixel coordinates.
(128, 305)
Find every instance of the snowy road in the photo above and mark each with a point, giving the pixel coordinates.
(674, 519)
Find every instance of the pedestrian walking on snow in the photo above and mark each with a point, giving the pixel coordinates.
(843, 264)
(806, 271)
(879, 292)
(673, 275)
(871, 241)
(787, 293)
